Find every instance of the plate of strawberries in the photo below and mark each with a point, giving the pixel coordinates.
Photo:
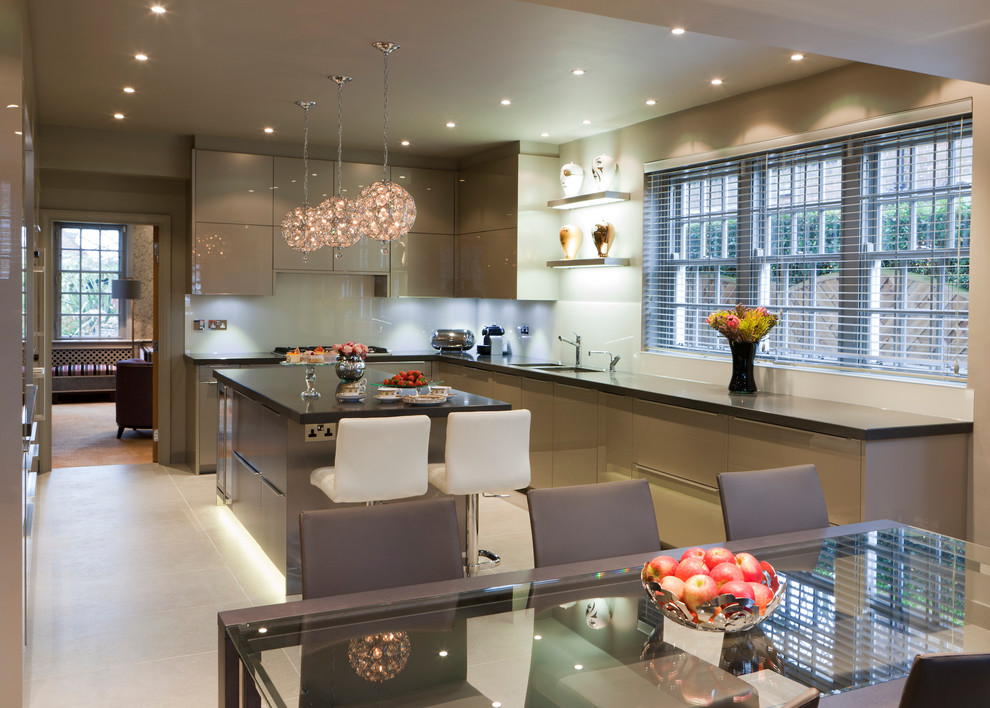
(713, 589)
(413, 378)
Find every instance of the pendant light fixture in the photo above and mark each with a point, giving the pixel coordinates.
(303, 228)
(339, 215)
(386, 209)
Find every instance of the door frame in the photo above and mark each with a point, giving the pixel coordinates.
(162, 225)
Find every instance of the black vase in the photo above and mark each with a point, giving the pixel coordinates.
(743, 355)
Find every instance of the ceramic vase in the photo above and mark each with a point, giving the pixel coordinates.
(603, 236)
(570, 240)
(571, 179)
(603, 171)
(743, 356)
(349, 368)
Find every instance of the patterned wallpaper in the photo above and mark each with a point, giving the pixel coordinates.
(142, 267)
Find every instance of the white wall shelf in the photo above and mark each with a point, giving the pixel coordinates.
(587, 200)
(589, 263)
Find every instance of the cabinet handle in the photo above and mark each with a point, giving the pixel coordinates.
(675, 478)
(273, 487)
(212, 382)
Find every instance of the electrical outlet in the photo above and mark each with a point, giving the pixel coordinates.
(523, 330)
(199, 325)
(218, 324)
(320, 432)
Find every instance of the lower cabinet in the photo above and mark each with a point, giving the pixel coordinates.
(575, 436)
(271, 531)
(537, 397)
(463, 378)
(615, 437)
(245, 494)
(688, 513)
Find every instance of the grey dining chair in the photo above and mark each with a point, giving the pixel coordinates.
(957, 680)
(808, 698)
(591, 521)
(771, 501)
(361, 548)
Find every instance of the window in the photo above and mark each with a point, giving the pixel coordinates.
(860, 245)
(90, 258)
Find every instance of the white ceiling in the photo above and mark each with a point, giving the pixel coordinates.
(231, 67)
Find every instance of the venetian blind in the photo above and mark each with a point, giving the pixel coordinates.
(860, 244)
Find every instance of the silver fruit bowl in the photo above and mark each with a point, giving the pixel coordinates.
(725, 613)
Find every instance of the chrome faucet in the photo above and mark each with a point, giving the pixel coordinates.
(577, 347)
(613, 360)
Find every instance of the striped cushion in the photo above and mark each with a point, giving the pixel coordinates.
(84, 370)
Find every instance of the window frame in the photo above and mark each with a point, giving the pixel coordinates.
(673, 322)
(113, 309)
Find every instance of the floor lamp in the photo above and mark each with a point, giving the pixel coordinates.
(127, 289)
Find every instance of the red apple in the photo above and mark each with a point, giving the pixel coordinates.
(739, 588)
(699, 589)
(750, 567)
(696, 552)
(762, 594)
(659, 568)
(726, 572)
(674, 585)
(714, 556)
(690, 566)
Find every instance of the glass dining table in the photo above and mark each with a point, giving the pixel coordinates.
(861, 601)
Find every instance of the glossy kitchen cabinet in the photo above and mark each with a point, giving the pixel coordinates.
(231, 259)
(486, 264)
(232, 187)
(575, 436)
(288, 194)
(488, 194)
(422, 265)
(615, 437)
(366, 256)
(537, 397)
(433, 191)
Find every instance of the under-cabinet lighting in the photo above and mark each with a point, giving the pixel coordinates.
(588, 263)
(586, 200)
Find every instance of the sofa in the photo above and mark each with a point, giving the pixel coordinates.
(83, 367)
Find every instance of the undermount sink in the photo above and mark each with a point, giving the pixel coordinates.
(540, 365)
(575, 369)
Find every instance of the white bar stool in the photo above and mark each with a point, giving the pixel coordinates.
(377, 459)
(487, 452)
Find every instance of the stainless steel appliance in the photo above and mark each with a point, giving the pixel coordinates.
(452, 339)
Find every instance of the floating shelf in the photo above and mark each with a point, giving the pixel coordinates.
(589, 263)
(587, 200)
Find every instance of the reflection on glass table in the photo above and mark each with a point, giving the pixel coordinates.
(858, 608)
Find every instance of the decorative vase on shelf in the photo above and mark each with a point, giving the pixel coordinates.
(349, 368)
(571, 179)
(570, 240)
(603, 171)
(603, 235)
(743, 356)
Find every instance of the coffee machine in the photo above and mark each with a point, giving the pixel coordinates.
(491, 342)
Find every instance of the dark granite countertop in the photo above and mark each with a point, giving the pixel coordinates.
(278, 388)
(827, 417)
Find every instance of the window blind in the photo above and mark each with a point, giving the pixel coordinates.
(860, 245)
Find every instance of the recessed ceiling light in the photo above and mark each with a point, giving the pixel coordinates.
(451, 124)
(141, 57)
(651, 102)
(797, 56)
(118, 116)
(158, 9)
(12, 105)
(505, 102)
(544, 135)
(577, 72)
(586, 121)
(405, 143)
(716, 82)
(677, 30)
(269, 130)
(128, 89)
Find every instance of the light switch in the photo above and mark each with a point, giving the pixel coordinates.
(199, 325)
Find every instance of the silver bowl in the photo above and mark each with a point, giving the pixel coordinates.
(452, 339)
(725, 613)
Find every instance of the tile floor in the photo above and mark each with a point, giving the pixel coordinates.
(132, 563)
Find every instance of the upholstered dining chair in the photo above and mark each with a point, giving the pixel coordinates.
(377, 459)
(362, 548)
(467, 470)
(771, 501)
(134, 383)
(587, 522)
(956, 680)
(806, 699)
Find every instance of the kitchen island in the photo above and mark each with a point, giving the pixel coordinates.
(270, 440)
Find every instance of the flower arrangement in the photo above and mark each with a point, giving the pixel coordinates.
(348, 349)
(743, 324)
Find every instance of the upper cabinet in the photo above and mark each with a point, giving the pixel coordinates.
(505, 234)
(365, 256)
(233, 188)
(288, 194)
(422, 261)
(433, 191)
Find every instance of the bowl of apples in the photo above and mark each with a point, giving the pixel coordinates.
(714, 589)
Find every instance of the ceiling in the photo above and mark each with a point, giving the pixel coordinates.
(230, 68)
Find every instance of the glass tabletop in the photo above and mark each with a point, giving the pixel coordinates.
(857, 609)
